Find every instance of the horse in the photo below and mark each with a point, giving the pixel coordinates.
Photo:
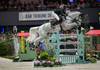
(72, 20)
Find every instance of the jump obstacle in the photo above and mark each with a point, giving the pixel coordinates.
(69, 48)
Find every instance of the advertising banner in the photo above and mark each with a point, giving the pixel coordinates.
(39, 15)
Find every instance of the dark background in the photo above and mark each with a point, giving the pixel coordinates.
(11, 18)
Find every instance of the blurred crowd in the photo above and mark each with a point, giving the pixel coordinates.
(30, 5)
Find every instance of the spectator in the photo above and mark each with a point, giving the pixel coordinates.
(30, 5)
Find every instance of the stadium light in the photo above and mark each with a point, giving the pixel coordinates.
(71, 1)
